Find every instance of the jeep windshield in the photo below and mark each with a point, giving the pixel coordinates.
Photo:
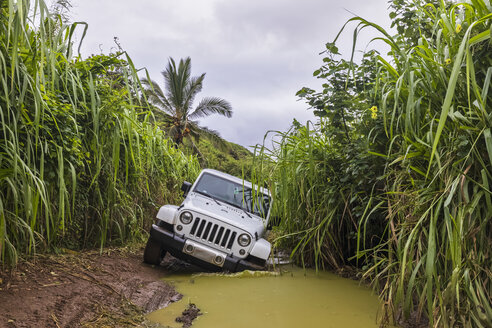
(233, 194)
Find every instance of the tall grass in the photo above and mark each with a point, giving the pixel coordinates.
(419, 223)
(80, 164)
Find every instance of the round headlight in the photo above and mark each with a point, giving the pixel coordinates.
(244, 240)
(186, 217)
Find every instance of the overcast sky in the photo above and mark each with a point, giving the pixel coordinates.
(256, 53)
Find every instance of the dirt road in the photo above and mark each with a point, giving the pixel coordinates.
(112, 289)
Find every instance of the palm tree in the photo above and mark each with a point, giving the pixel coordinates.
(176, 103)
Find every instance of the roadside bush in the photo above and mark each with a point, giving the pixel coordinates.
(396, 173)
(80, 164)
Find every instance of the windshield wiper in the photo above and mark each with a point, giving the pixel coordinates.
(215, 200)
(241, 208)
(245, 212)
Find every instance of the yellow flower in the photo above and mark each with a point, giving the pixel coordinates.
(447, 61)
(374, 115)
(374, 109)
(458, 28)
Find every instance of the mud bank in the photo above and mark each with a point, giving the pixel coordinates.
(84, 289)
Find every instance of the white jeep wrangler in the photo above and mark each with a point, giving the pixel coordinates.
(219, 226)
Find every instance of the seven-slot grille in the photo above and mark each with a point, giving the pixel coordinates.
(213, 233)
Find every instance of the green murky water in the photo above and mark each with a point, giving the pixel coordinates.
(295, 298)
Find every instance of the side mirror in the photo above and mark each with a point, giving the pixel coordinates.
(185, 187)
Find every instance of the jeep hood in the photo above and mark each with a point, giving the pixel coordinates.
(225, 213)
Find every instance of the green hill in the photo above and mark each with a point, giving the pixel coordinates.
(231, 158)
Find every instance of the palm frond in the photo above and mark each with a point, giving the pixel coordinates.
(194, 130)
(156, 97)
(175, 81)
(164, 119)
(212, 105)
(152, 85)
(192, 89)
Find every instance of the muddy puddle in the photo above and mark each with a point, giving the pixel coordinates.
(292, 298)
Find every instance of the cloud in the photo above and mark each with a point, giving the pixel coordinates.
(256, 54)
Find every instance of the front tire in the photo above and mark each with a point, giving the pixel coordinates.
(153, 253)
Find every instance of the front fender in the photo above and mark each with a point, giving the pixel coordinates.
(261, 249)
(167, 213)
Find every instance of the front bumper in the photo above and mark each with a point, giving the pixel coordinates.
(174, 244)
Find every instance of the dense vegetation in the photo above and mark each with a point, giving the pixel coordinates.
(395, 175)
(81, 164)
(393, 178)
